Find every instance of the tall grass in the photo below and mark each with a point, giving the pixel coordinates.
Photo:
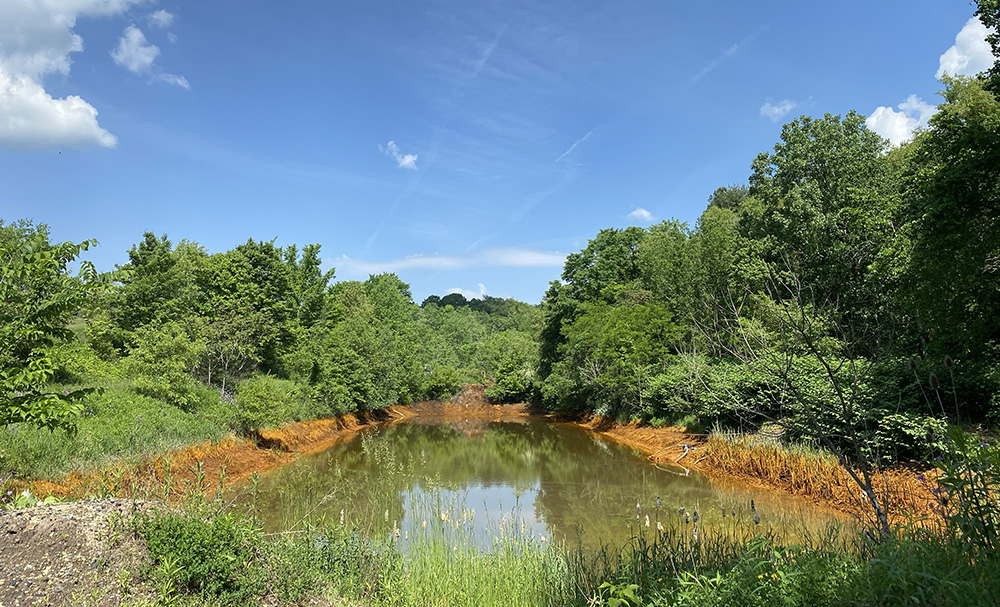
(117, 424)
(804, 470)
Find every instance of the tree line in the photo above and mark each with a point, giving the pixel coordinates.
(259, 330)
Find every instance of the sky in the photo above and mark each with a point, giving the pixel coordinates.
(467, 146)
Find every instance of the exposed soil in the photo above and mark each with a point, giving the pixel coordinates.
(71, 553)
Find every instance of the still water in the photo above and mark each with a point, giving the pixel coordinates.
(530, 476)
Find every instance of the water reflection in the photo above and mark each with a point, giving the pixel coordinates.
(528, 476)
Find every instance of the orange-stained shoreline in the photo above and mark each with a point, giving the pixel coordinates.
(233, 460)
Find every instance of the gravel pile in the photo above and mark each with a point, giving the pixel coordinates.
(72, 553)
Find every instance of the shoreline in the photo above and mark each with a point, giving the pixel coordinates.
(206, 467)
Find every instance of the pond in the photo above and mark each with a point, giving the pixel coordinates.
(530, 477)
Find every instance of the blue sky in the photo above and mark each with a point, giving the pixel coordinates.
(464, 145)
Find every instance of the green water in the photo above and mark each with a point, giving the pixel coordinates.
(531, 477)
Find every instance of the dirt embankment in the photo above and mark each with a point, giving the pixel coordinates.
(206, 466)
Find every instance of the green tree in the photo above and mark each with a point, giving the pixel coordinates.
(954, 190)
(37, 297)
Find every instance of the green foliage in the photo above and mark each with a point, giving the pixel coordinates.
(25, 499)
(160, 360)
(263, 401)
(510, 361)
(213, 558)
(442, 382)
(116, 423)
(966, 492)
(36, 300)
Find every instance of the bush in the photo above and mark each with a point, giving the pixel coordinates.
(263, 401)
(442, 382)
(212, 557)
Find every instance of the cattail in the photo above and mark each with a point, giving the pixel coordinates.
(341, 516)
(687, 518)
(723, 512)
(753, 508)
(638, 511)
(680, 510)
(695, 516)
(947, 361)
(733, 512)
(933, 381)
(913, 364)
(659, 526)
(694, 534)
(756, 519)
(658, 503)
(647, 521)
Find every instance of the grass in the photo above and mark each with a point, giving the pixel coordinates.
(446, 563)
(804, 470)
(117, 425)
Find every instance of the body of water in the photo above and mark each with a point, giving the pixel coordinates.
(530, 477)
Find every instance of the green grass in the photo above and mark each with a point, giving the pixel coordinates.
(117, 425)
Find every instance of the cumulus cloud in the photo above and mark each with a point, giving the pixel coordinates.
(641, 214)
(138, 55)
(32, 119)
(161, 19)
(469, 294)
(133, 52)
(499, 257)
(37, 39)
(777, 111)
(898, 127)
(970, 54)
(403, 161)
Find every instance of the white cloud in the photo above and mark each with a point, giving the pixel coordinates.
(899, 127)
(32, 119)
(161, 19)
(500, 257)
(133, 52)
(403, 161)
(174, 79)
(37, 39)
(138, 55)
(970, 54)
(641, 214)
(777, 111)
(481, 293)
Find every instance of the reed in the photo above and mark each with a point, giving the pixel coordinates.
(803, 470)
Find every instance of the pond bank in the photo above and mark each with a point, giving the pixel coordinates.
(206, 467)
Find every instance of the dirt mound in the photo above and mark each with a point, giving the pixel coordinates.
(70, 553)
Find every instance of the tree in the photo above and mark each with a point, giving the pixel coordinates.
(953, 186)
(988, 12)
(37, 297)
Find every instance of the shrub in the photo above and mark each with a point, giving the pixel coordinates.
(211, 557)
(442, 382)
(264, 400)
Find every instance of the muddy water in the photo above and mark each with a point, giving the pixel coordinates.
(529, 476)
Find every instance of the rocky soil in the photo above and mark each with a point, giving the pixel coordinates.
(72, 553)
